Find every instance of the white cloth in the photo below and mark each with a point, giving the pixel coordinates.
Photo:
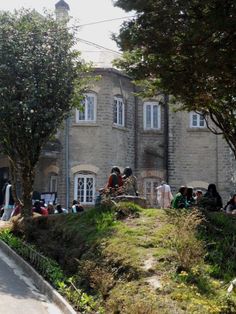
(7, 195)
(164, 196)
(7, 208)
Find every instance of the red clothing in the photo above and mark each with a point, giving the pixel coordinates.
(115, 181)
(44, 211)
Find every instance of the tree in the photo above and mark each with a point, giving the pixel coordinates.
(40, 78)
(185, 49)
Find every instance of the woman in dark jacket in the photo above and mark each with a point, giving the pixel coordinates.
(212, 199)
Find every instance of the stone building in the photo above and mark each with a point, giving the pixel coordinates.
(118, 128)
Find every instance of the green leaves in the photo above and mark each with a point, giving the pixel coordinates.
(186, 49)
(39, 72)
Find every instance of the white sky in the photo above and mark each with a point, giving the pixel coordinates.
(83, 11)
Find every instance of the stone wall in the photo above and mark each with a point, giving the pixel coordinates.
(101, 144)
(197, 157)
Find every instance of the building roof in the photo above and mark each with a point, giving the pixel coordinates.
(62, 4)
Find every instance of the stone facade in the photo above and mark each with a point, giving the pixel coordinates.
(84, 152)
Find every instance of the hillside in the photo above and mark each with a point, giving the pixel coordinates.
(144, 261)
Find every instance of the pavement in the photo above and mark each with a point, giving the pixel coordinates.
(18, 293)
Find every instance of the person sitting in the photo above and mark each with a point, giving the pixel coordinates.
(115, 178)
(198, 196)
(129, 183)
(211, 200)
(230, 207)
(39, 208)
(50, 209)
(114, 183)
(76, 207)
(164, 195)
(44, 210)
(189, 196)
(180, 200)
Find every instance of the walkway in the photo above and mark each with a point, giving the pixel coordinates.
(18, 294)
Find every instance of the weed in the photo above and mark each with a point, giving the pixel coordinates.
(189, 250)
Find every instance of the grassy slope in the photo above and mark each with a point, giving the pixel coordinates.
(149, 264)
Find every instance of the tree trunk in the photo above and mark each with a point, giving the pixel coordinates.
(27, 178)
(13, 174)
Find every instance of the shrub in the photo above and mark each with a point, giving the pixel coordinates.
(94, 276)
(189, 250)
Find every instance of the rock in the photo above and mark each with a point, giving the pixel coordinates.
(154, 282)
(232, 286)
(142, 202)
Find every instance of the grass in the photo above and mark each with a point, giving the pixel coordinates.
(112, 253)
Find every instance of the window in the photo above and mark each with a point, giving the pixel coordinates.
(85, 188)
(118, 111)
(197, 120)
(87, 113)
(53, 183)
(152, 116)
(150, 185)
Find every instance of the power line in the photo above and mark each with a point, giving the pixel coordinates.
(105, 21)
(90, 43)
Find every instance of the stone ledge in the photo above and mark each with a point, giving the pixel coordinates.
(133, 199)
(43, 286)
(151, 132)
(76, 125)
(198, 130)
(120, 128)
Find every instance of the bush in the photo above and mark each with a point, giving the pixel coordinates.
(189, 250)
(51, 271)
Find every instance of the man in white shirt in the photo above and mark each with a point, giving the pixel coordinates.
(164, 195)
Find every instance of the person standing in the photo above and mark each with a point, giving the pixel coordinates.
(8, 201)
(164, 195)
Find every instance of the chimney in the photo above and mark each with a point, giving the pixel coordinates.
(62, 11)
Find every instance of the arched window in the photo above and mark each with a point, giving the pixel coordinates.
(88, 110)
(84, 188)
(118, 111)
(152, 115)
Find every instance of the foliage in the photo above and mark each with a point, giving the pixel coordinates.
(114, 260)
(41, 80)
(183, 239)
(53, 273)
(219, 234)
(185, 49)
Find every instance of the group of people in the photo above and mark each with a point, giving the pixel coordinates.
(45, 210)
(11, 208)
(120, 184)
(126, 184)
(187, 198)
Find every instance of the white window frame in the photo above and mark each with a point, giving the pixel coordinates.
(86, 120)
(152, 104)
(192, 114)
(116, 101)
(85, 176)
(53, 177)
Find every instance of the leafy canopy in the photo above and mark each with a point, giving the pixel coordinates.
(186, 49)
(41, 76)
